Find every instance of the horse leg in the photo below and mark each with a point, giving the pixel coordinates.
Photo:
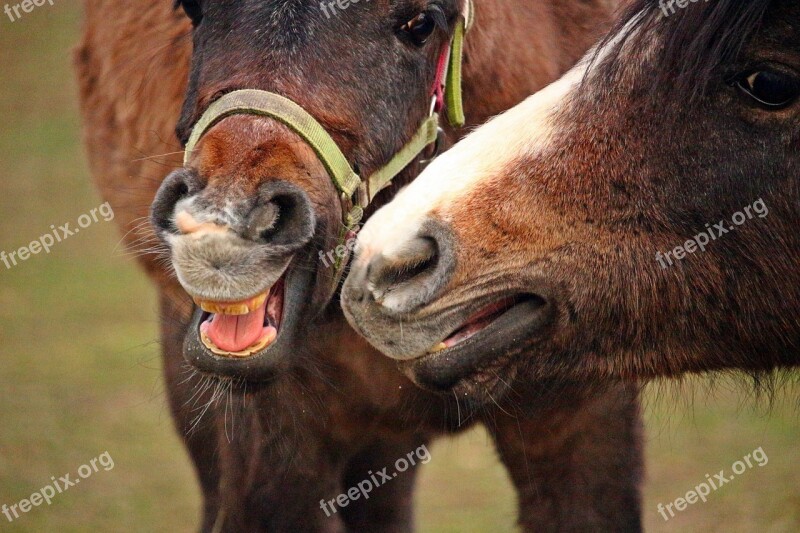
(578, 465)
(200, 439)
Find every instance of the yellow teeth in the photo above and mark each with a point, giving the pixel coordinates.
(438, 348)
(232, 308)
(260, 345)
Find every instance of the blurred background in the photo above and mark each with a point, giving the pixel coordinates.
(80, 365)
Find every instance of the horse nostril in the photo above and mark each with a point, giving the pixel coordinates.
(421, 257)
(283, 216)
(175, 187)
(263, 221)
(414, 276)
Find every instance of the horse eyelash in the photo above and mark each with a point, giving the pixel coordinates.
(439, 18)
(436, 12)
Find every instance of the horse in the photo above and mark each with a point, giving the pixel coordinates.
(634, 220)
(277, 428)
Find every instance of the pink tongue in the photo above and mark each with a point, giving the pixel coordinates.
(236, 333)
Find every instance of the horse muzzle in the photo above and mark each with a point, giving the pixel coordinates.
(244, 260)
(408, 305)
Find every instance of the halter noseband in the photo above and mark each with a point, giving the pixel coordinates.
(356, 193)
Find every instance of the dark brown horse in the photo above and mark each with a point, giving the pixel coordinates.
(638, 218)
(286, 427)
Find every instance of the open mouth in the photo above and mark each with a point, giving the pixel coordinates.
(483, 347)
(479, 321)
(244, 328)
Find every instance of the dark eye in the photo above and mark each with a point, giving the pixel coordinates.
(420, 28)
(192, 9)
(771, 89)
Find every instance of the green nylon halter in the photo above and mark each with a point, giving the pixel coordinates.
(344, 178)
(280, 108)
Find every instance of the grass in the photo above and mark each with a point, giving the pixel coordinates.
(80, 370)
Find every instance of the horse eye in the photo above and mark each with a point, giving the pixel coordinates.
(192, 9)
(420, 28)
(771, 89)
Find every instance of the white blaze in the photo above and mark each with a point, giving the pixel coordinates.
(519, 132)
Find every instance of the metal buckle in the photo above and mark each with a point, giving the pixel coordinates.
(347, 206)
(437, 148)
(362, 198)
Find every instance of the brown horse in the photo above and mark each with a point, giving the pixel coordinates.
(308, 415)
(638, 218)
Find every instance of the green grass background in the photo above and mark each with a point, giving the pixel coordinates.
(79, 364)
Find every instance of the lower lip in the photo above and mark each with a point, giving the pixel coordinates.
(478, 322)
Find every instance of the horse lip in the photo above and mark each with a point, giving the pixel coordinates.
(207, 307)
(266, 364)
(443, 370)
(478, 321)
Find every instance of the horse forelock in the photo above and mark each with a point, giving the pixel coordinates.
(694, 40)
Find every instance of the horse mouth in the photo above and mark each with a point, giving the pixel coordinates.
(482, 348)
(243, 329)
(477, 322)
(256, 339)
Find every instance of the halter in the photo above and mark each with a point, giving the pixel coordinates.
(355, 192)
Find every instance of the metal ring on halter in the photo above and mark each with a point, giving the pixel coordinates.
(437, 147)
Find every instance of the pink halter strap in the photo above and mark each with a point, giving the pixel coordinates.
(441, 75)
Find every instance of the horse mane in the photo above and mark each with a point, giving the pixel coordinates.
(698, 39)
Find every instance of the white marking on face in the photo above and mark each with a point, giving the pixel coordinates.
(520, 132)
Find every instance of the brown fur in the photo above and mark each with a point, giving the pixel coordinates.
(659, 143)
(266, 459)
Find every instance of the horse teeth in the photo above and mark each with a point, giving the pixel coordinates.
(224, 309)
(232, 308)
(258, 301)
(438, 348)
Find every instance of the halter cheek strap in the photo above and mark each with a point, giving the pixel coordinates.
(447, 89)
(356, 193)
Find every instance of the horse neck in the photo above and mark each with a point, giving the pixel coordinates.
(517, 47)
